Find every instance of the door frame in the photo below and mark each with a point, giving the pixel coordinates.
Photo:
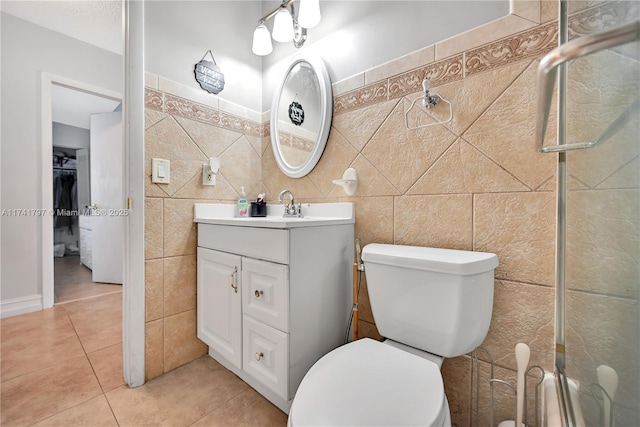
(48, 81)
(133, 298)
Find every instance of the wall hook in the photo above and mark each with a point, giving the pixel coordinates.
(429, 101)
(349, 181)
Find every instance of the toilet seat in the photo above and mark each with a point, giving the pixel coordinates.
(368, 383)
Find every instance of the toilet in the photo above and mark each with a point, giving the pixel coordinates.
(429, 304)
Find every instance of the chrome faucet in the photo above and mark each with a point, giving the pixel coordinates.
(290, 209)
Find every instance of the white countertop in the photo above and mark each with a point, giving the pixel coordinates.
(315, 214)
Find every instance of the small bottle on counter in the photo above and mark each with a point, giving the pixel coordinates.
(243, 204)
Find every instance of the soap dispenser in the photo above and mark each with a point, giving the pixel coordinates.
(243, 204)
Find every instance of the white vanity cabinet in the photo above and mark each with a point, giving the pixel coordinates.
(272, 301)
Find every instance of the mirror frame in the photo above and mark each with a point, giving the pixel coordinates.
(326, 96)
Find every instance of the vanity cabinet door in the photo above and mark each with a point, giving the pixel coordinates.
(265, 292)
(220, 303)
(266, 355)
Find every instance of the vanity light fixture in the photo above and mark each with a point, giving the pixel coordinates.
(286, 27)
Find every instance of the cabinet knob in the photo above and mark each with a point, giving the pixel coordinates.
(258, 293)
(259, 356)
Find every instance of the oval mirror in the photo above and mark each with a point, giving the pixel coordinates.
(301, 115)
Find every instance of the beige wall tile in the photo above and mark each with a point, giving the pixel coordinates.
(181, 345)
(180, 232)
(400, 65)
(151, 189)
(195, 190)
(150, 80)
(520, 229)
(480, 35)
(374, 219)
(358, 126)
(473, 95)
(275, 181)
(256, 142)
(153, 232)
(336, 158)
(434, 221)
(265, 145)
(348, 84)
(179, 284)
(403, 155)
(600, 89)
(168, 140)
(370, 181)
(512, 323)
(625, 177)
(456, 374)
(504, 133)
(154, 289)
(153, 349)
(464, 169)
(241, 167)
(603, 241)
(152, 117)
(239, 110)
(527, 9)
(212, 140)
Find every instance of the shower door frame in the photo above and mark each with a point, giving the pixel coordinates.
(558, 58)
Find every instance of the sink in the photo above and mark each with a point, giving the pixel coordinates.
(315, 214)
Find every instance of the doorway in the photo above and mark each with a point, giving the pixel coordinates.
(86, 163)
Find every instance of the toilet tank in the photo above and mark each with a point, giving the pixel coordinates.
(436, 300)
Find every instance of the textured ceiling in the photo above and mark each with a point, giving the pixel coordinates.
(97, 22)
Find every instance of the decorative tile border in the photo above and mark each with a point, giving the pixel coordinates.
(296, 142)
(367, 95)
(440, 72)
(607, 15)
(153, 100)
(181, 107)
(529, 44)
(238, 124)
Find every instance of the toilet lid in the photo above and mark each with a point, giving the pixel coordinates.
(368, 383)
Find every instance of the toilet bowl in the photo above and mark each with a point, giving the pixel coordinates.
(370, 383)
(429, 303)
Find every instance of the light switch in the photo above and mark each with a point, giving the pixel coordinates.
(160, 171)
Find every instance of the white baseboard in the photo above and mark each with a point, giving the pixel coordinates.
(22, 305)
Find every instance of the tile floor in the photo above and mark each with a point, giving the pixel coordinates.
(63, 367)
(72, 281)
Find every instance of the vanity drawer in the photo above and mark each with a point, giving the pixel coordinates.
(262, 243)
(265, 355)
(265, 292)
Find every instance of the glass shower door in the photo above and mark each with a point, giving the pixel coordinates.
(598, 217)
(602, 255)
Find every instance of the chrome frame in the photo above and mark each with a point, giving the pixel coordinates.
(558, 59)
(574, 49)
